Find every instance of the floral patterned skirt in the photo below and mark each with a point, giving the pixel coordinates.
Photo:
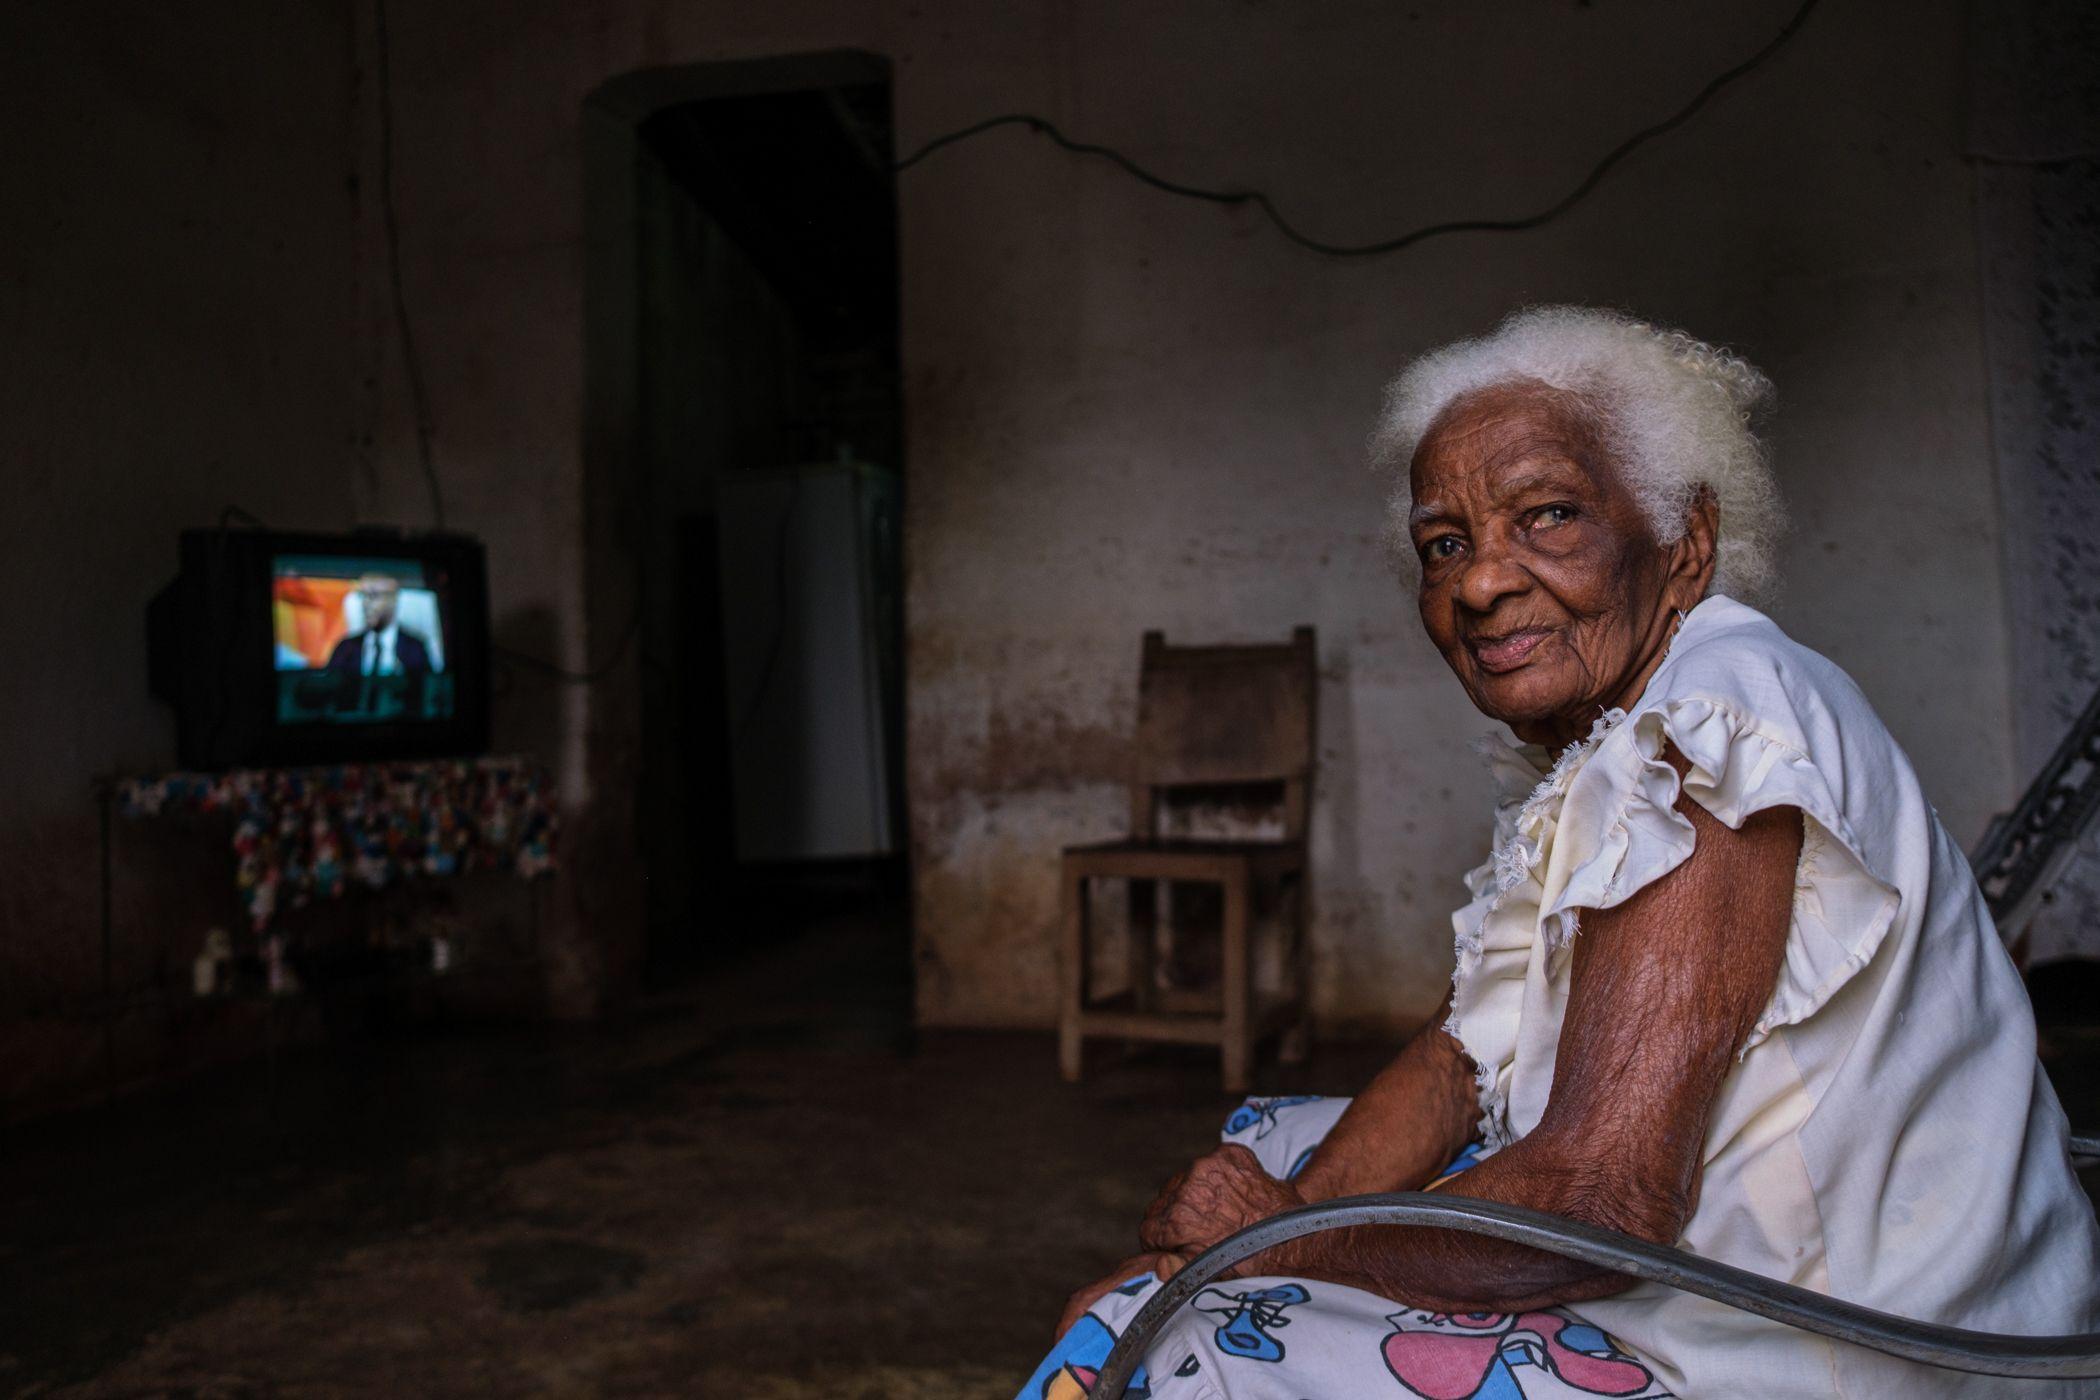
(1257, 1338)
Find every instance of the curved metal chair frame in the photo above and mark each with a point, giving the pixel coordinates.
(1949, 1348)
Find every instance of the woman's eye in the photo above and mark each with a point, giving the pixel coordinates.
(1442, 547)
(1553, 515)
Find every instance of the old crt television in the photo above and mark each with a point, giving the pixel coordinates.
(279, 649)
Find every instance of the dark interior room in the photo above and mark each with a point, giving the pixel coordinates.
(1219, 700)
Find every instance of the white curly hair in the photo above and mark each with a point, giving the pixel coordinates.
(1677, 414)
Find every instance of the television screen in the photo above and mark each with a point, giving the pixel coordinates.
(359, 639)
(279, 649)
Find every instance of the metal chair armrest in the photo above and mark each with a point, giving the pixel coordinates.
(1950, 1348)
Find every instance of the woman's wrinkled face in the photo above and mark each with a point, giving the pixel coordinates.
(1542, 583)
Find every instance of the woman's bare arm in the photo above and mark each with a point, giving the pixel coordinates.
(1406, 1125)
(1664, 990)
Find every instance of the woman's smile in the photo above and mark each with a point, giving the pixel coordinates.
(1508, 650)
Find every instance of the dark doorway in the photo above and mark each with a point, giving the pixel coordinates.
(768, 477)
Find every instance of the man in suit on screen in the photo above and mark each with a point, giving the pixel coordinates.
(384, 647)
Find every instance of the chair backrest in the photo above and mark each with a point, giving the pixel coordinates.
(1212, 715)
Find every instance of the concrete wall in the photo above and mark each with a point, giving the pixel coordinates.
(1125, 410)
(1130, 411)
(177, 334)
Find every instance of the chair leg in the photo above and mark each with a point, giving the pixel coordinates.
(1296, 1041)
(1236, 1036)
(1144, 925)
(1072, 968)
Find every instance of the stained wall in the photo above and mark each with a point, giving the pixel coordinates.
(1125, 410)
(1129, 411)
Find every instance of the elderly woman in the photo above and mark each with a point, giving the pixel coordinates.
(1725, 981)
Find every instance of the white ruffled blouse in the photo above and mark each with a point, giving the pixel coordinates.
(1887, 1135)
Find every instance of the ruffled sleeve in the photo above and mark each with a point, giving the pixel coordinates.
(1619, 831)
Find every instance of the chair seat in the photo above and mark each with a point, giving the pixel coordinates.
(1233, 724)
(1168, 859)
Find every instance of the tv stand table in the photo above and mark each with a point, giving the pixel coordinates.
(302, 836)
(307, 834)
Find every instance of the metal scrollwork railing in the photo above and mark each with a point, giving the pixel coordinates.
(2024, 850)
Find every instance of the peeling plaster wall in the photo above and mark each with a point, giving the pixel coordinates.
(1130, 411)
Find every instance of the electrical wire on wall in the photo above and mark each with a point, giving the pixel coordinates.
(419, 394)
(411, 362)
(588, 676)
(1044, 127)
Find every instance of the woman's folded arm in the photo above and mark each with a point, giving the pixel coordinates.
(1664, 989)
(1404, 1127)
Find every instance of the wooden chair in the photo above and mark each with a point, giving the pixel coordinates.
(1208, 717)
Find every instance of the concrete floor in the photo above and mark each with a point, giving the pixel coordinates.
(759, 1187)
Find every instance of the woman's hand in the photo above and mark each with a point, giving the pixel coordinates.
(1220, 1194)
(1160, 1265)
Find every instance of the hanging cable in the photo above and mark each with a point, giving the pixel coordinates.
(411, 363)
(412, 369)
(590, 675)
(1044, 127)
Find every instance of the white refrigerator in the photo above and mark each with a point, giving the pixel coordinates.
(810, 627)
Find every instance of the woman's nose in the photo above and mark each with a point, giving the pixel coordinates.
(1489, 577)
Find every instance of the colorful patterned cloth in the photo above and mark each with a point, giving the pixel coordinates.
(1281, 1338)
(301, 834)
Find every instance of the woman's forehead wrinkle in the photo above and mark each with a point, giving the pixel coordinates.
(1499, 443)
(1527, 477)
(1523, 464)
(1553, 449)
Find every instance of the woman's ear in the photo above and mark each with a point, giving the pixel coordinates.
(1692, 557)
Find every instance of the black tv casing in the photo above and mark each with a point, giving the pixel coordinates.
(211, 652)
